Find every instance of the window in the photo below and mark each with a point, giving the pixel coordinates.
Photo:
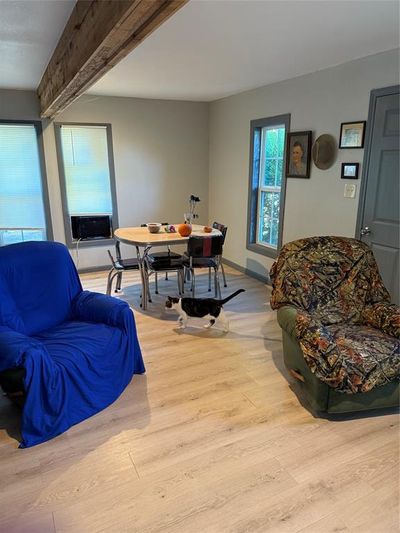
(24, 209)
(87, 173)
(267, 184)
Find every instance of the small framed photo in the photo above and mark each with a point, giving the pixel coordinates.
(298, 154)
(352, 134)
(350, 171)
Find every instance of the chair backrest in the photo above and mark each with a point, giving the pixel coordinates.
(204, 246)
(116, 263)
(223, 229)
(333, 277)
(38, 281)
(118, 250)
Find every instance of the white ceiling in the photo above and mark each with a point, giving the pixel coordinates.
(210, 48)
(29, 32)
(213, 48)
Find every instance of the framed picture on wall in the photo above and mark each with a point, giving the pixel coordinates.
(352, 134)
(350, 171)
(298, 154)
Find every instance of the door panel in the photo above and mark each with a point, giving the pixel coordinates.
(387, 205)
(392, 122)
(380, 210)
(388, 261)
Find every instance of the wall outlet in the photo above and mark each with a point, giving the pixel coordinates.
(350, 190)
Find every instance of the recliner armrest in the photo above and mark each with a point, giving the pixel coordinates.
(95, 307)
(383, 316)
(287, 319)
(13, 347)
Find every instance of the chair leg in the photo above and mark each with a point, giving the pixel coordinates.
(166, 276)
(209, 279)
(217, 284)
(179, 278)
(110, 278)
(223, 274)
(119, 282)
(148, 287)
(111, 282)
(193, 282)
(156, 281)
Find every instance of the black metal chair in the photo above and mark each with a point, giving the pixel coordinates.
(119, 266)
(164, 262)
(223, 229)
(204, 252)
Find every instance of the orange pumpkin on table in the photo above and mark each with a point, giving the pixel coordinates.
(207, 229)
(184, 230)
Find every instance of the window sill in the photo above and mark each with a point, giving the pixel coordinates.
(262, 250)
(91, 243)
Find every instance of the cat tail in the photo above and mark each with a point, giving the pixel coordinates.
(231, 296)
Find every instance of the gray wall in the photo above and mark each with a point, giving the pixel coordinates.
(317, 102)
(160, 156)
(160, 153)
(18, 105)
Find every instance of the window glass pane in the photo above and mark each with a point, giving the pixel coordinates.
(281, 141)
(269, 174)
(279, 172)
(86, 170)
(256, 157)
(22, 214)
(273, 150)
(269, 218)
(264, 228)
(271, 142)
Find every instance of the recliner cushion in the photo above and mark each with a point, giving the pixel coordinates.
(78, 343)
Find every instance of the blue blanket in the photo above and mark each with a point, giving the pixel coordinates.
(79, 348)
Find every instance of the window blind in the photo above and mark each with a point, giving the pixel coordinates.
(22, 213)
(86, 170)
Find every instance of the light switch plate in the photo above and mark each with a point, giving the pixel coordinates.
(350, 190)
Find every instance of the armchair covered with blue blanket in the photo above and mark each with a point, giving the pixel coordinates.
(78, 349)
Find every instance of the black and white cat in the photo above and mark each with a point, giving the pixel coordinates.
(209, 308)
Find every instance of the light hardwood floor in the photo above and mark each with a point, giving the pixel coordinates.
(212, 439)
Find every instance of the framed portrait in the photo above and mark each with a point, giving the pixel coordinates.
(350, 171)
(298, 154)
(352, 134)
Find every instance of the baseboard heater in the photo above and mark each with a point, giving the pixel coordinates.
(91, 227)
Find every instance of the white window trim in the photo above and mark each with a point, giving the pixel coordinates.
(263, 188)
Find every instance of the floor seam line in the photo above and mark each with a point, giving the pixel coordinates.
(134, 466)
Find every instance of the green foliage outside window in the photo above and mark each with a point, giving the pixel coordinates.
(272, 170)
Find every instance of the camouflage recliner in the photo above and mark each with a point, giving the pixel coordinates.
(340, 332)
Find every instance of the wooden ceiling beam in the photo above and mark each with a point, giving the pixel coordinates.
(98, 34)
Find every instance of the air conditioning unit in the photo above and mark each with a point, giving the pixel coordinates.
(91, 227)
